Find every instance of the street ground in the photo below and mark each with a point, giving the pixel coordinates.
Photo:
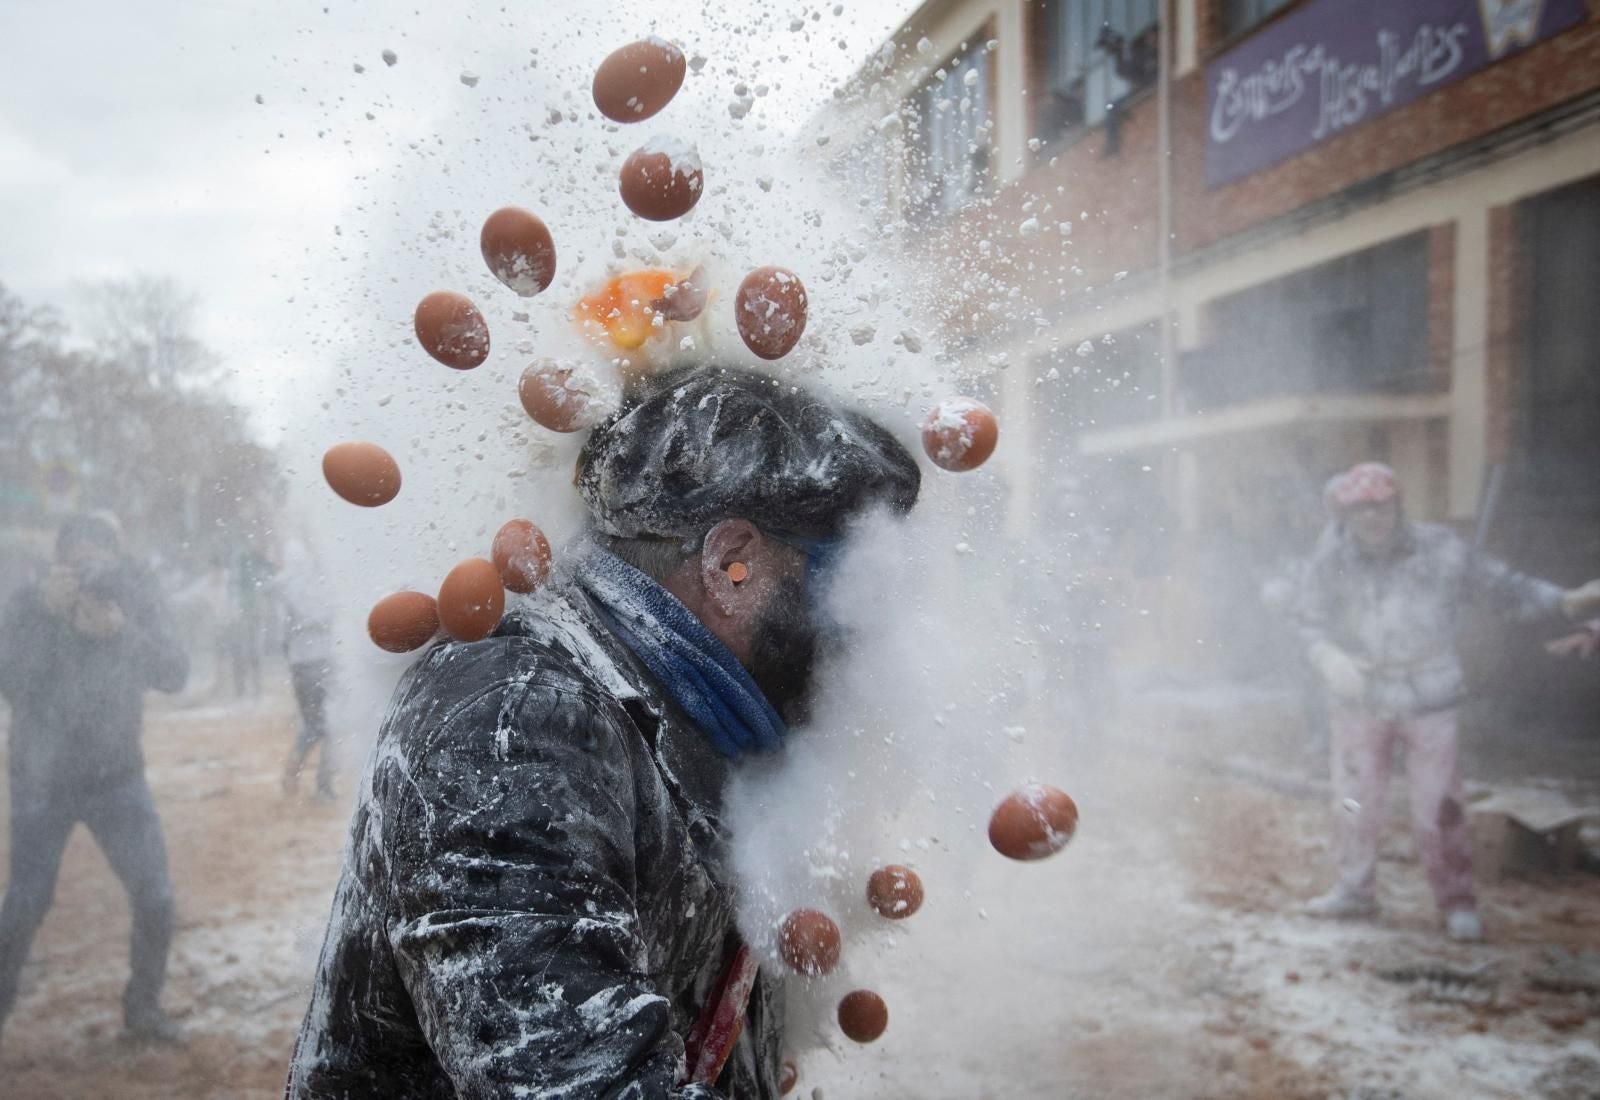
(253, 873)
(1158, 956)
(1161, 955)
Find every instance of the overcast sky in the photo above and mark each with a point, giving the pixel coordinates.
(131, 142)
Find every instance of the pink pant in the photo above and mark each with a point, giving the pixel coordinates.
(1363, 751)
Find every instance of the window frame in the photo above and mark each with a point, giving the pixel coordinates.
(1310, 337)
(1039, 53)
(1224, 39)
(1255, 22)
(1550, 387)
(918, 203)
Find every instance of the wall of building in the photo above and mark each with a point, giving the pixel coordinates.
(1455, 165)
(1091, 268)
(1471, 301)
(1119, 192)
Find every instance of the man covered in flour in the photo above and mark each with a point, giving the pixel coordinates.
(1379, 604)
(535, 902)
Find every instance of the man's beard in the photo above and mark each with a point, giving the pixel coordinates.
(783, 652)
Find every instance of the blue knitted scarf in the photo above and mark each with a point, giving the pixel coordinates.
(696, 669)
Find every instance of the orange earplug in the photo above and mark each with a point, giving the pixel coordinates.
(737, 572)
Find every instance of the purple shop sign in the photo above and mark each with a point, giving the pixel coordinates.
(1332, 65)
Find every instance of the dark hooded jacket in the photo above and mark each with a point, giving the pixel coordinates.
(77, 703)
(535, 901)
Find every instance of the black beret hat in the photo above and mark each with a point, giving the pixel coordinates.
(699, 445)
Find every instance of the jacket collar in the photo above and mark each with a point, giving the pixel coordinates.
(563, 616)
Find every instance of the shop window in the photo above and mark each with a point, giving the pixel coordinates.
(1559, 414)
(1239, 16)
(950, 124)
(1356, 324)
(1092, 55)
(1107, 382)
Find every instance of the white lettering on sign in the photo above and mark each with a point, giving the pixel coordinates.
(1274, 87)
(1348, 91)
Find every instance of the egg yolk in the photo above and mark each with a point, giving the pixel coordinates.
(623, 309)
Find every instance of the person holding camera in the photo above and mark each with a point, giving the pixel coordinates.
(78, 650)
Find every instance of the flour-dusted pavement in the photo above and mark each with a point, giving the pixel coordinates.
(253, 873)
(1159, 955)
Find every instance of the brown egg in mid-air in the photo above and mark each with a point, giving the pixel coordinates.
(894, 891)
(788, 1077)
(770, 310)
(403, 621)
(558, 397)
(662, 180)
(863, 1016)
(450, 328)
(960, 434)
(809, 942)
(521, 554)
(362, 473)
(1033, 822)
(519, 250)
(636, 81)
(471, 600)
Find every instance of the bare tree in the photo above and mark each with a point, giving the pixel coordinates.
(30, 341)
(146, 325)
(135, 417)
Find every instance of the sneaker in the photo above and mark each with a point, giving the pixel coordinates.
(1463, 926)
(1340, 905)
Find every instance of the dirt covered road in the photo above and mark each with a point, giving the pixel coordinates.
(253, 874)
(1158, 956)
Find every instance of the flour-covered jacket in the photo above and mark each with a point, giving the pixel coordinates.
(535, 900)
(1400, 611)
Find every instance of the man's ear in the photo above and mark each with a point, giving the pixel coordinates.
(730, 568)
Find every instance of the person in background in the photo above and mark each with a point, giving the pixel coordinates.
(308, 646)
(251, 578)
(204, 606)
(78, 650)
(1378, 608)
(1582, 643)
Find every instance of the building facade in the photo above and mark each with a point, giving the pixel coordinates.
(1243, 243)
(1202, 254)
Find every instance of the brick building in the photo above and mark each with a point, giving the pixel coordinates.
(1382, 239)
